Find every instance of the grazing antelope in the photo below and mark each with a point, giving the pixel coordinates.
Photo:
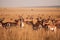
(2, 24)
(29, 20)
(9, 24)
(45, 24)
(39, 21)
(51, 26)
(36, 24)
(12, 23)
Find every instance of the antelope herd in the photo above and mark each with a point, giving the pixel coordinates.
(47, 24)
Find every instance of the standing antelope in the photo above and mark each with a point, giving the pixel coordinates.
(21, 22)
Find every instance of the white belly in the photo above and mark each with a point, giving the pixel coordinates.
(22, 24)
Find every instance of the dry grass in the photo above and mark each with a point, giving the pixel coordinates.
(27, 33)
(16, 33)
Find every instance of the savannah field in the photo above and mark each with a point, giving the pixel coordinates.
(27, 33)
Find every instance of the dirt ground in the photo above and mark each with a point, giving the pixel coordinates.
(27, 33)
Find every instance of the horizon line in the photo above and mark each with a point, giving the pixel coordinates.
(34, 7)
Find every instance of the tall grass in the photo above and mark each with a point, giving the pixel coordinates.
(16, 33)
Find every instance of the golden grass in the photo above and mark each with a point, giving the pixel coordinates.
(27, 33)
(15, 33)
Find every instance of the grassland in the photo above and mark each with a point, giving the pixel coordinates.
(27, 33)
